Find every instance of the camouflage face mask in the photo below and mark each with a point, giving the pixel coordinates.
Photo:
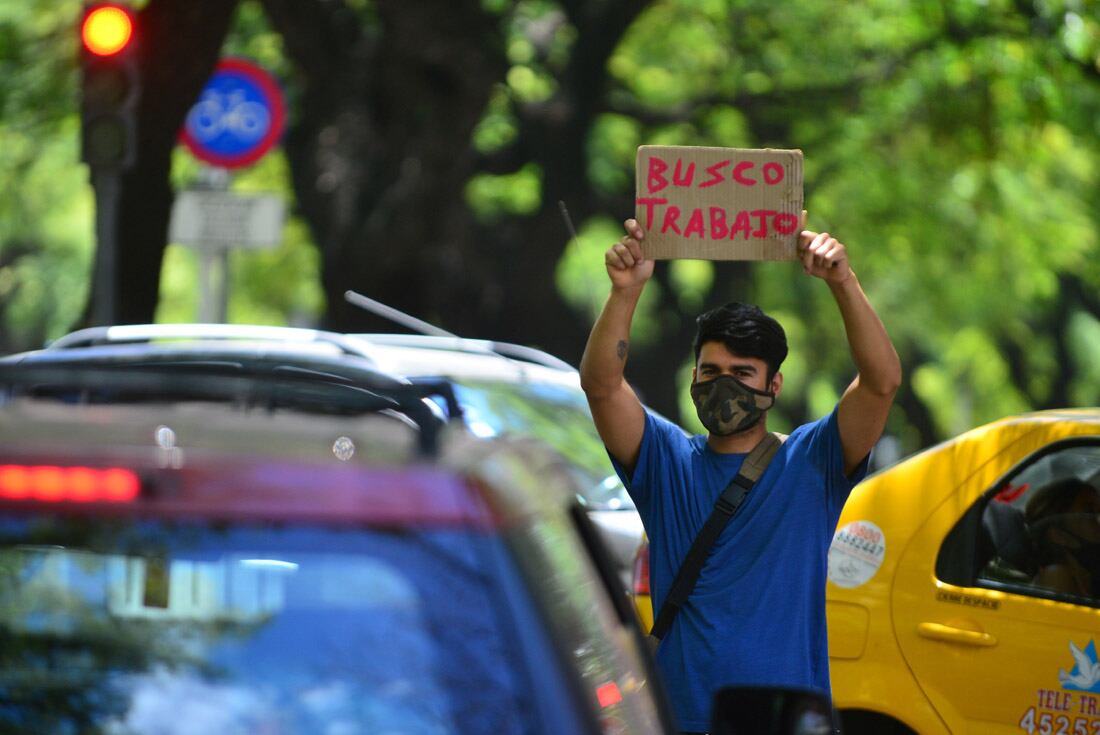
(727, 406)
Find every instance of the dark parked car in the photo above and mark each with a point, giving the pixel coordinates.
(172, 560)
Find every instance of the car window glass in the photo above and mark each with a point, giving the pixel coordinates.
(555, 414)
(121, 627)
(602, 649)
(1039, 531)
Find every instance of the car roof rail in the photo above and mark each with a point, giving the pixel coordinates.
(530, 354)
(470, 346)
(94, 336)
(426, 329)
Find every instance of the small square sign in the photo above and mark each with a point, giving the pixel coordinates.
(719, 203)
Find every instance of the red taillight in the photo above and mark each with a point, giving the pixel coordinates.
(641, 569)
(51, 484)
(608, 694)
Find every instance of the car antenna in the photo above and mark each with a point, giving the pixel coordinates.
(395, 315)
(568, 221)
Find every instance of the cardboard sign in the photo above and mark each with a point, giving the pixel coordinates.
(719, 203)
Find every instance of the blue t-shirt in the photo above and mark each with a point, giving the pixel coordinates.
(757, 614)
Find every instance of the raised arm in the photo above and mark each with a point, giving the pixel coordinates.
(618, 414)
(863, 409)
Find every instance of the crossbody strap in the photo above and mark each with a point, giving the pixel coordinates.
(728, 503)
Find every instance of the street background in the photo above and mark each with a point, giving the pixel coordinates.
(953, 145)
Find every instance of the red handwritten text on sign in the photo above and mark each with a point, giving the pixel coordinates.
(747, 224)
(714, 222)
(684, 174)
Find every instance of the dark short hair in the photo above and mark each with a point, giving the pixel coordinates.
(745, 330)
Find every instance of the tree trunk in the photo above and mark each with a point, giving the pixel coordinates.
(380, 154)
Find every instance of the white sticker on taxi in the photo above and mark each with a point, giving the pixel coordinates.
(857, 552)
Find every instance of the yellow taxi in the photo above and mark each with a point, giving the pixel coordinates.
(964, 585)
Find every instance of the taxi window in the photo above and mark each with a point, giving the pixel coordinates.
(1038, 531)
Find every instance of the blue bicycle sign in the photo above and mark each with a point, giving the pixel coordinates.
(239, 116)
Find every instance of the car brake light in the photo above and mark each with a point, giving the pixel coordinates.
(51, 484)
(608, 694)
(641, 569)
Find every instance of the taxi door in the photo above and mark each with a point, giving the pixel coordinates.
(1000, 630)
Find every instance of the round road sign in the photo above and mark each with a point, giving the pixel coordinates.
(238, 118)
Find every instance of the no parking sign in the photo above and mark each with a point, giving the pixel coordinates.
(238, 118)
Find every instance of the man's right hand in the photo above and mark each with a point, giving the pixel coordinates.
(627, 266)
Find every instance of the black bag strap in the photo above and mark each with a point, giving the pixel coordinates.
(728, 503)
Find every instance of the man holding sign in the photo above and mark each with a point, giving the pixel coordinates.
(756, 615)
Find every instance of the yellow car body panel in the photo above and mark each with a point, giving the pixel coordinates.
(643, 606)
(954, 658)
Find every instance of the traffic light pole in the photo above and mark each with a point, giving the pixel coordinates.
(107, 185)
(110, 89)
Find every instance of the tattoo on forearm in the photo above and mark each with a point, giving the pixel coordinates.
(622, 348)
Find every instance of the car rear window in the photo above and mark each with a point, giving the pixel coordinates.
(138, 626)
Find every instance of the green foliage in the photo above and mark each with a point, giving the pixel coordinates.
(612, 145)
(677, 52)
(688, 418)
(46, 205)
(692, 280)
(45, 201)
(538, 43)
(529, 85)
(952, 145)
(1085, 330)
(252, 38)
(45, 236)
(497, 129)
(491, 197)
(582, 279)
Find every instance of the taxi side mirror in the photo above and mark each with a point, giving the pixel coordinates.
(772, 711)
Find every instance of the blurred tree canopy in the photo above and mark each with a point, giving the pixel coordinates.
(952, 144)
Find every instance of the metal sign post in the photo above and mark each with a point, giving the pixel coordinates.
(238, 118)
(212, 220)
(213, 261)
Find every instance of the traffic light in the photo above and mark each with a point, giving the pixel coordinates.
(110, 88)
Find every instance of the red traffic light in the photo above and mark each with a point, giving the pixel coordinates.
(110, 85)
(107, 29)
